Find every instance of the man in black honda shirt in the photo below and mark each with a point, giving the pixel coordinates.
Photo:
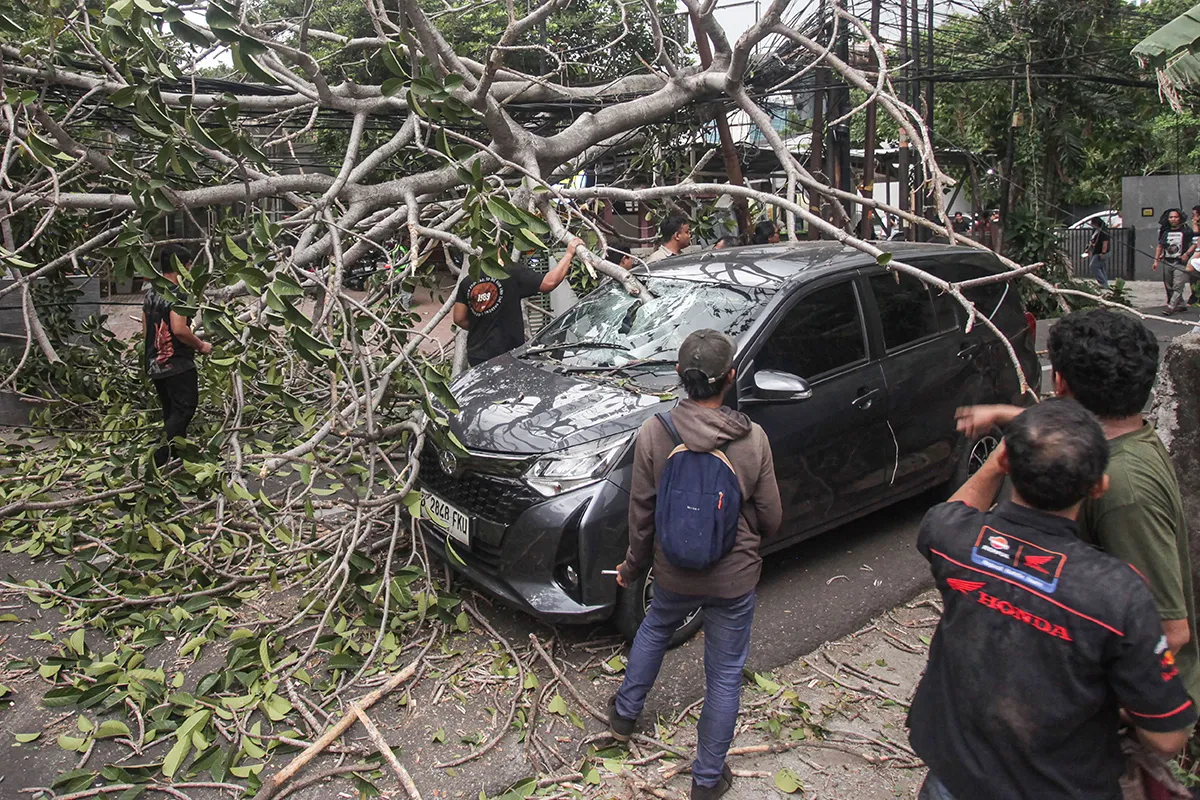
(489, 309)
(171, 349)
(1045, 642)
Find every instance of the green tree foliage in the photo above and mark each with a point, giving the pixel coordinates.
(1083, 119)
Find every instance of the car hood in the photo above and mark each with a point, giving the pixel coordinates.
(524, 407)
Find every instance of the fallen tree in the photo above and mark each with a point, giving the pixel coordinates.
(298, 481)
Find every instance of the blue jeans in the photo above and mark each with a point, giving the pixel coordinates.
(934, 789)
(1098, 270)
(726, 646)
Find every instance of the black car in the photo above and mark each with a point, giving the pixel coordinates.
(853, 371)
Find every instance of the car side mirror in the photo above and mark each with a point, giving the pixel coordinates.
(772, 384)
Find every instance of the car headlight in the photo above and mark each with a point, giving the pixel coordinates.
(561, 471)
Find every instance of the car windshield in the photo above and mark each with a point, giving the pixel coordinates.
(610, 328)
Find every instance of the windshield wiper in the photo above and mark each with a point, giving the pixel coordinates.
(645, 362)
(550, 348)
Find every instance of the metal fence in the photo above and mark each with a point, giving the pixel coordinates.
(1075, 243)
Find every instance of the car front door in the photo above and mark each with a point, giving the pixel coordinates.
(927, 364)
(831, 450)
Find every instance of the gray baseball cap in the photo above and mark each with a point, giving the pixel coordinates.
(708, 352)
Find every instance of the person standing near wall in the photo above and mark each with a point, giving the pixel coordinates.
(1176, 245)
(1098, 252)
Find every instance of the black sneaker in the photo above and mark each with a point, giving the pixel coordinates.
(619, 727)
(724, 784)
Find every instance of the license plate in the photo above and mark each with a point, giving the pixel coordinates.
(455, 523)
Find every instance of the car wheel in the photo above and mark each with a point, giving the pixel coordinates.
(633, 602)
(973, 455)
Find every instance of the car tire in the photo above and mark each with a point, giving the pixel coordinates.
(970, 458)
(634, 600)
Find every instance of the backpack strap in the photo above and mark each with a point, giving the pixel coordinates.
(672, 431)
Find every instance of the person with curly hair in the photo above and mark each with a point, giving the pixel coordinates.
(1108, 362)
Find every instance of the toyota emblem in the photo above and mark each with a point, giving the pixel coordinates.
(448, 462)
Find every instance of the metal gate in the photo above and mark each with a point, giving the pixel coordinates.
(1075, 241)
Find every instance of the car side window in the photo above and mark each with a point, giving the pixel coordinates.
(820, 334)
(906, 309)
(986, 297)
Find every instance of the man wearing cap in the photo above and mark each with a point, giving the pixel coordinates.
(726, 590)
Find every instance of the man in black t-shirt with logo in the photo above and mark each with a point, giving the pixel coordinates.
(171, 349)
(1176, 244)
(489, 309)
(1046, 643)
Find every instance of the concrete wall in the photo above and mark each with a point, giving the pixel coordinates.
(1156, 192)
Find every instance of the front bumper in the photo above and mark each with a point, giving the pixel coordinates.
(523, 563)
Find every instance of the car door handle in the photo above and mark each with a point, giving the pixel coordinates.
(966, 349)
(866, 398)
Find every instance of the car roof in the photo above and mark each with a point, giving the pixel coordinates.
(771, 266)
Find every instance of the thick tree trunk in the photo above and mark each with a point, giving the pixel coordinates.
(1177, 419)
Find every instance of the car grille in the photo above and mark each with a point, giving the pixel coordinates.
(480, 495)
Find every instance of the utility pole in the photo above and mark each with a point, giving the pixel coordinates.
(867, 225)
(929, 67)
(904, 186)
(816, 145)
(919, 198)
(733, 166)
(840, 133)
(1006, 172)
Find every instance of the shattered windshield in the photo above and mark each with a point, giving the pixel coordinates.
(609, 327)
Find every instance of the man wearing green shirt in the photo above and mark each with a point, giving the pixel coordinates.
(1108, 362)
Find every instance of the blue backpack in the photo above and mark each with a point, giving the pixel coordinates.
(699, 503)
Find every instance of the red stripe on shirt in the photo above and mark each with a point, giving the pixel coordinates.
(1162, 716)
(1027, 589)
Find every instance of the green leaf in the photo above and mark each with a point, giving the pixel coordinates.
(883, 259)
(110, 728)
(189, 34)
(614, 766)
(766, 684)
(192, 646)
(277, 708)
(591, 776)
(439, 735)
(179, 752)
(558, 705)
(787, 782)
(218, 19)
(9, 618)
(393, 86)
(392, 62)
(462, 622)
(23, 738)
(193, 723)
(73, 743)
(531, 681)
(264, 651)
(76, 642)
(234, 250)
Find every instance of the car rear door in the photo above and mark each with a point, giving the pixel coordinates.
(831, 450)
(927, 364)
